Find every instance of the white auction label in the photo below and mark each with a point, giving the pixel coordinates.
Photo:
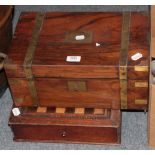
(73, 58)
(16, 111)
(79, 37)
(97, 44)
(136, 56)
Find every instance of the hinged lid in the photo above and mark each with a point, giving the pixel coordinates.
(80, 45)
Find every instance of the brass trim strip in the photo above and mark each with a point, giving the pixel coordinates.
(29, 57)
(141, 102)
(79, 110)
(14, 81)
(60, 110)
(123, 58)
(141, 84)
(41, 109)
(18, 100)
(10, 66)
(99, 111)
(141, 68)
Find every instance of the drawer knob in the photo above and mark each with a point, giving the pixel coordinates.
(63, 134)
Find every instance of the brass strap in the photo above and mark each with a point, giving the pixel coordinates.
(29, 57)
(123, 59)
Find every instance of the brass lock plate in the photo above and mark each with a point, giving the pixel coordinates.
(77, 86)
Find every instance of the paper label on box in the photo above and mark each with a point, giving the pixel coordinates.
(16, 111)
(73, 58)
(79, 37)
(97, 44)
(136, 56)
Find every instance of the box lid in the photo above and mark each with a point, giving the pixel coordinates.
(79, 45)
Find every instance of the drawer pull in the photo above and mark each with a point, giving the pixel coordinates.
(63, 134)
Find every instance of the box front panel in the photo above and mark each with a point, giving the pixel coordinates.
(48, 126)
(66, 134)
(68, 92)
(78, 92)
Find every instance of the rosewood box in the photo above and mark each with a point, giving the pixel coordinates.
(80, 61)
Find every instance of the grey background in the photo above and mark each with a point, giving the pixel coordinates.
(134, 124)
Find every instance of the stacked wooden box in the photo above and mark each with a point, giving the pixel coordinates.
(71, 74)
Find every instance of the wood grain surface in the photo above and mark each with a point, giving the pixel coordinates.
(98, 64)
(52, 129)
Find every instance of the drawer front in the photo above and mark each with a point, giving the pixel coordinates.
(48, 126)
(74, 134)
(96, 93)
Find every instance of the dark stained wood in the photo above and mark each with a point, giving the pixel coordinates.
(5, 39)
(55, 92)
(5, 27)
(52, 129)
(137, 93)
(107, 34)
(3, 82)
(106, 28)
(20, 92)
(71, 134)
(139, 42)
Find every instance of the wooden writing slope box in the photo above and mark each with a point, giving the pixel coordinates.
(106, 76)
(78, 60)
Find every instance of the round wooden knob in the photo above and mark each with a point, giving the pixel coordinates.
(63, 134)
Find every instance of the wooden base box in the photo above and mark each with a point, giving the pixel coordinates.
(67, 126)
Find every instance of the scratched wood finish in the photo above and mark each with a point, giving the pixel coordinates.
(55, 92)
(47, 129)
(49, 60)
(97, 62)
(100, 93)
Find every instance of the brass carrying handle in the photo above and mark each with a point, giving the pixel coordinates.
(2, 58)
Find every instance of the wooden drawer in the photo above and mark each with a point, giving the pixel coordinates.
(43, 125)
(99, 93)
